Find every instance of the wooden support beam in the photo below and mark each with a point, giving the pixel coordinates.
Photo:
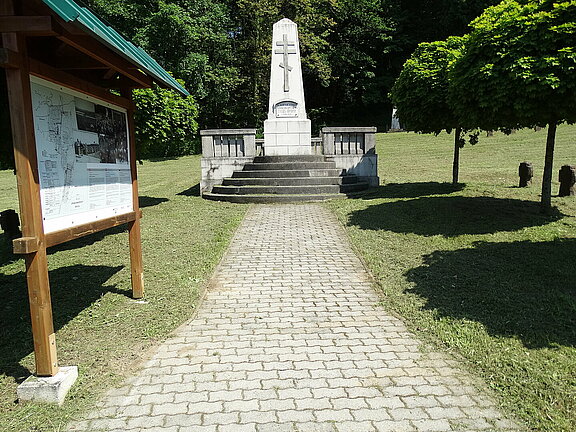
(76, 63)
(73, 233)
(96, 50)
(29, 25)
(25, 245)
(42, 70)
(134, 236)
(9, 59)
(21, 116)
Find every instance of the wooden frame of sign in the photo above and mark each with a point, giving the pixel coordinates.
(15, 27)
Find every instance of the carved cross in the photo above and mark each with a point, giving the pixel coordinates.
(285, 44)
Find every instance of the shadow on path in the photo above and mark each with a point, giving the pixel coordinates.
(452, 216)
(523, 289)
(72, 289)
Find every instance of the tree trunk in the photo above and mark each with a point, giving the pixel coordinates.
(546, 200)
(456, 162)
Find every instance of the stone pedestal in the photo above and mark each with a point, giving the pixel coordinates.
(287, 137)
(287, 130)
(48, 389)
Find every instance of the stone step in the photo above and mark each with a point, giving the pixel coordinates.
(271, 198)
(290, 158)
(280, 190)
(288, 181)
(280, 166)
(331, 172)
(290, 190)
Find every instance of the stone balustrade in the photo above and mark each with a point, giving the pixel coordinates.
(223, 152)
(228, 142)
(348, 140)
(353, 151)
(227, 150)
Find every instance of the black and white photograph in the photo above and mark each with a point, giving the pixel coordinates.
(102, 134)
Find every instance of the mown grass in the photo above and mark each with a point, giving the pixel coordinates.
(99, 327)
(477, 268)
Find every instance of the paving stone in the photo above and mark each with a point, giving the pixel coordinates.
(290, 338)
(258, 417)
(334, 415)
(355, 426)
(432, 425)
(238, 428)
(220, 418)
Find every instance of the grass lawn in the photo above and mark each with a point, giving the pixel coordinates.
(477, 268)
(99, 328)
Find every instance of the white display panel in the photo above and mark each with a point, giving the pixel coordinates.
(83, 156)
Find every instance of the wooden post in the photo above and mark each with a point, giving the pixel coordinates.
(134, 235)
(21, 115)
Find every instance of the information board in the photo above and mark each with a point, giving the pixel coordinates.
(83, 156)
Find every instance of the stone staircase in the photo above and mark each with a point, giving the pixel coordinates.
(275, 179)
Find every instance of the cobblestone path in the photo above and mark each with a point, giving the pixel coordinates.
(290, 338)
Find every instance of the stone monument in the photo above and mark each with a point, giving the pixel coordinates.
(526, 172)
(567, 178)
(287, 130)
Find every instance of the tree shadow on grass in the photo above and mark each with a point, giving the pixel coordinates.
(6, 254)
(412, 190)
(452, 216)
(146, 201)
(193, 191)
(72, 288)
(88, 239)
(523, 289)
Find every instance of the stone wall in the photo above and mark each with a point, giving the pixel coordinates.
(223, 152)
(353, 149)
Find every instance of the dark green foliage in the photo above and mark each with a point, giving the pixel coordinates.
(165, 123)
(519, 66)
(192, 39)
(421, 91)
(352, 50)
(518, 70)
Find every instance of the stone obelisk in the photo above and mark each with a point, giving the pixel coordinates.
(287, 130)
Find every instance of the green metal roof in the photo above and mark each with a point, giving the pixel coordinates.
(69, 11)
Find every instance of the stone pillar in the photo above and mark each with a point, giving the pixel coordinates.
(567, 178)
(287, 130)
(526, 172)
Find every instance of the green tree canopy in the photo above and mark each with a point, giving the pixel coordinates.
(166, 123)
(420, 93)
(519, 66)
(519, 70)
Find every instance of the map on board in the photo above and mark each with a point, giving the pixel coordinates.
(83, 158)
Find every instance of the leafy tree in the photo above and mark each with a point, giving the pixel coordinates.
(421, 92)
(518, 70)
(165, 123)
(192, 39)
(126, 16)
(361, 60)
